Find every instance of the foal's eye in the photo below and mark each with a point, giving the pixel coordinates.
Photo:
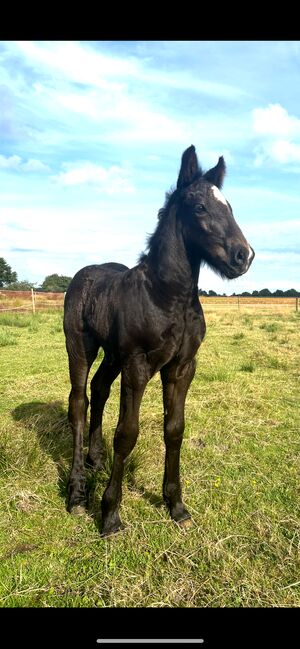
(199, 208)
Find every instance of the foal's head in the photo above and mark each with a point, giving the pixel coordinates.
(210, 229)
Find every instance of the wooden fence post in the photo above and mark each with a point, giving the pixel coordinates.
(33, 301)
(297, 304)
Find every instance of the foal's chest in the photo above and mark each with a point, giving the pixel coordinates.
(180, 339)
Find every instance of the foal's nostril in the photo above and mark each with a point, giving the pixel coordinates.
(240, 256)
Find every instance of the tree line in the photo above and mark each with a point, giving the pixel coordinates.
(59, 283)
(291, 292)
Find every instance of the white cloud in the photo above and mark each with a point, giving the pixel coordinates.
(122, 117)
(284, 151)
(15, 162)
(10, 162)
(78, 63)
(277, 129)
(114, 180)
(274, 120)
(33, 165)
(88, 104)
(127, 96)
(103, 233)
(281, 151)
(81, 63)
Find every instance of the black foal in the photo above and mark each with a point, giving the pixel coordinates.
(148, 319)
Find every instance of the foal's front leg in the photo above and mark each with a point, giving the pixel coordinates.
(176, 380)
(134, 378)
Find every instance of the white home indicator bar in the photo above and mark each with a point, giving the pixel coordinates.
(150, 641)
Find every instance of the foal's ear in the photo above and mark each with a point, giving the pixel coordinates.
(189, 167)
(217, 173)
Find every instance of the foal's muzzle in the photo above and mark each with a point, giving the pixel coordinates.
(241, 259)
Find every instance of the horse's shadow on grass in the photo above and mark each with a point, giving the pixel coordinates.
(49, 423)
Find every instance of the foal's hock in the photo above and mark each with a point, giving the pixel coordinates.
(148, 319)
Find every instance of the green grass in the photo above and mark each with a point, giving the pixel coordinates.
(249, 366)
(240, 477)
(15, 320)
(270, 326)
(7, 338)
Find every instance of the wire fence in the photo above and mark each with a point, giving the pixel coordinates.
(22, 301)
(291, 303)
(19, 301)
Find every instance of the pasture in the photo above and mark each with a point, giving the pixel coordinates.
(240, 475)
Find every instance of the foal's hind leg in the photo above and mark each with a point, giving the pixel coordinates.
(100, 389)
(82, 353)
(135, 376)
(176, 381)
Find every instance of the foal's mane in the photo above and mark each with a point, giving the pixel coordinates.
(170, 198)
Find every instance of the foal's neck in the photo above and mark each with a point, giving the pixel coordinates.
(171, 265)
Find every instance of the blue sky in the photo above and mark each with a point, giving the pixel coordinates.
(91, 137)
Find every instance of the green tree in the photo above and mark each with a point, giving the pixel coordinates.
(23, 285)
(7, 276)
(264, 293)
(291, 292)
(56, 283)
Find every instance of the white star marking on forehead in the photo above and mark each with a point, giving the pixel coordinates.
(218, 195)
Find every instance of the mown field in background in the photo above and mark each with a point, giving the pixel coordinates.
(22, 301)
(240, 476)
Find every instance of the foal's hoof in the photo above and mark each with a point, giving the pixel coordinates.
(78, 510)
(185, 523)
(114, 528)
(181, 515)
(76, 503)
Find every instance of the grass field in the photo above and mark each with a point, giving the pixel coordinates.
(240, 476)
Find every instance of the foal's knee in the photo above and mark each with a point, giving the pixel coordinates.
(173, 433)
(78, 404)
(125, 440)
